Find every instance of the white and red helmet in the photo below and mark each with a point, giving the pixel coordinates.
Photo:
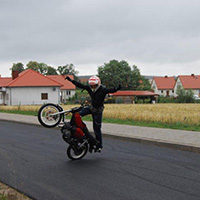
(94, 83)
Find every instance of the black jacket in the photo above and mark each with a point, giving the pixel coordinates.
(98, 96)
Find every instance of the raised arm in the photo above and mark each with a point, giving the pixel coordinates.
(76, 83)
(113, 90)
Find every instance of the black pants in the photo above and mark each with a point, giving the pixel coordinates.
(97, 121)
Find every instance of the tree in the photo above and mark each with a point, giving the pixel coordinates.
(67, 69)
(18, 67)
(33, 65)
(144, 84)
(114, 73)
(189, 98)
(51, 71)
(136, 78)
(43, 68)
(185, 96)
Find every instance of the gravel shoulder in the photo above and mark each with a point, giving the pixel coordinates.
(9, 193)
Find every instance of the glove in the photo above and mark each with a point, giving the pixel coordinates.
(68, 78)
(119, 87)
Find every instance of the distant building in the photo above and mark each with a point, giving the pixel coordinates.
(164, 86)
(188, 82)
(129, 96)
(28, 88)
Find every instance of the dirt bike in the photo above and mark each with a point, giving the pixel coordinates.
(74, 132)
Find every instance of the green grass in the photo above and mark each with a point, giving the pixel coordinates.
(34, 113)
(177, 125)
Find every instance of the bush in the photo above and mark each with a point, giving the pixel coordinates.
(167, 100)
(196, 101)
(185, 96)
(109, 100)
(119, 100)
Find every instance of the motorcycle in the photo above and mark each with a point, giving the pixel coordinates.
(74, 132)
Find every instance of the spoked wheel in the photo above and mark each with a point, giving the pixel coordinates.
(75, 154)
(46, 117)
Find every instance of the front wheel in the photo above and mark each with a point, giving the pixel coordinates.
(75, 154)
(46, 117)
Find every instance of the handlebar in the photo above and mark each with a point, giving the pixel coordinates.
(72, 110)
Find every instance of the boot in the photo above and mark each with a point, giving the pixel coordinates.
(98, 148)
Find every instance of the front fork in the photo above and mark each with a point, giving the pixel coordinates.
(61, 110)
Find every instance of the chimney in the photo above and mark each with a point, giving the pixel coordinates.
(15, 74)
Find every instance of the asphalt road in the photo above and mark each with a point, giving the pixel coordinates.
(33, 160)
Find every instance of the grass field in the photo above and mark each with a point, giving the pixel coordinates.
(181, 116)
(164, 113)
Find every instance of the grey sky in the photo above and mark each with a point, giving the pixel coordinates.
(160, 37)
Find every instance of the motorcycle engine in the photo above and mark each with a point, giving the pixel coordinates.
(66, 131)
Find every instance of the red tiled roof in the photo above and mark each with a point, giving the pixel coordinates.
(4, 81)
(66, 85)
(134, 93)
(165, 82)
(190, 82)
(30, 78)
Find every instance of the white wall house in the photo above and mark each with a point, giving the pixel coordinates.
(164, 86)
(32, 95)
(188, 82)
(29, 88)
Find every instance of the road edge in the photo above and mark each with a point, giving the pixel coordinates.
(147, 141)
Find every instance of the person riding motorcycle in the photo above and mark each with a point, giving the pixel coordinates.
(97, 93)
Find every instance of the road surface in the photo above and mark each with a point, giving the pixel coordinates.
(33, 160)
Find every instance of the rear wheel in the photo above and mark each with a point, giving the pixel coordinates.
(75, 153)
(45, 116)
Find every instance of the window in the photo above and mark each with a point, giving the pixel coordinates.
(1, 96)
(161, 91)
(68, 92)
(44, 96)
(172, 91)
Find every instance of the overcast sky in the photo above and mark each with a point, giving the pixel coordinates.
(160, 37)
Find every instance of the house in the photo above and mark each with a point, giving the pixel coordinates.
(67, 89)
(164, 86)
(28, 88)
(188, 82)
(128, 96)
(3, 83)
